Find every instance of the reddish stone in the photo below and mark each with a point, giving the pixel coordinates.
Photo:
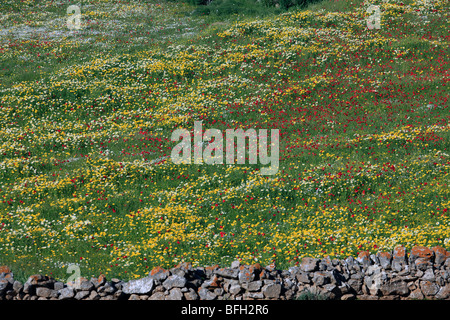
(185, 265)
(214, 283)
(101, 279)
(5, 269)
(212, 268)
(156, 270)
(363, 257)
(421, 252)
(399, 253)
(385, 255)
(271, 267)
(440, 254)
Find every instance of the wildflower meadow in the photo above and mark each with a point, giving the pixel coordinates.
(89, 101)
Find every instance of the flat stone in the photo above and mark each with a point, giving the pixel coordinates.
(43, 292)
(394, 288)
(205, 294)
(253, 286)
(235, 264)
(422, 264)
(235, 289)
(227, 273)
(364, 258)
(428, 275)
(191, 295)
(421, 252)
(303, 277)
(174, 281)
(399, 258)
(429, 288)
(66, 293)
(245, 275)
(416, 295)
(94, 295)
(321, 278)
(271, 267)
(157, 296)
(58, 285)
(86, 286)
(309, 264)
(254, 295)
(81, 295)
(159, 274)
(138, 286)
(17, 286)
(272, 290)
(444, 292)
(348, 296)
(385, 259)
(440, 255)
(175, 294)
(211, 283)
(134, 297)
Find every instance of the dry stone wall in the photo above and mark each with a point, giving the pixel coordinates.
(422, 273)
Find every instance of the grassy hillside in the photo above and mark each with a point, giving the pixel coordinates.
(87, 116)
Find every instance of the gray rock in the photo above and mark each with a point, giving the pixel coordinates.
(175, 294)
(205, 294)
(294, 270)
(17, 286)
(159, 274)
(138, 286)
(227, 273)
(254, 295)
(174, 281)
(86, 286)
(303, 277)
(94, 295)
(4, 284)
(374, 259)
(134, 297)
(309, 264)
(384, 260)
(327, 263)
(428, 275)
(444, 292)
(81, 295)
(394, 288)
(218, 292)
(66, 293)
(157, 296)
(429, 288)
(416, 294)
(235, 264)
(191, 295)
(348, 296)
(178, 272)
(321, 278)
(245, 275)
(43, 292)
(58, 285)
(253, 286)
(235, 289)
(355, 284)
(272, 290)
